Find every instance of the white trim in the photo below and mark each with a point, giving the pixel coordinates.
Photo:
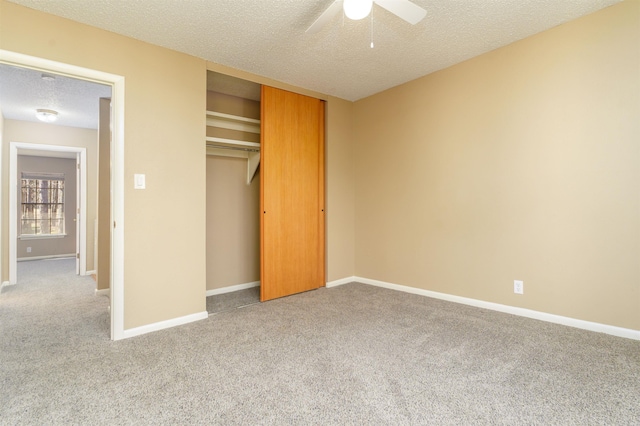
(232, 288)
(117, 166)
(341, 281)
(116, 283)
(4, 284)
(82, 222)
(52, 256)
(102, 292)
(40, 236)
(137, 331)
(91, 272)
(528, 313)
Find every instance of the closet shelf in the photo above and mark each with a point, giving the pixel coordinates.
(225, 147)
(231, 142)
(233, 122)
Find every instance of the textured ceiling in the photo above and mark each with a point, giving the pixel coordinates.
(267, 37)
(23, 90)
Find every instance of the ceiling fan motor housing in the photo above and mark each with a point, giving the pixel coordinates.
(357, 9)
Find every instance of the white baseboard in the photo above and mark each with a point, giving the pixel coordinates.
(542, 316)
(54, 256)
(137, 331)
(341, 281)
(5, 283)
(103, 292)
(90, 272)
(232, 288)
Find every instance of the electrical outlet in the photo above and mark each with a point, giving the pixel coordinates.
(28, 249)
(518, 287)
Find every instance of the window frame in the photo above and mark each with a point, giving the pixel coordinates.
(38, 204)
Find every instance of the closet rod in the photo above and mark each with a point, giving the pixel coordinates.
(234, 148)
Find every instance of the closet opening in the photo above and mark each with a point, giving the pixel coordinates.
(233, 192)
(265, 192)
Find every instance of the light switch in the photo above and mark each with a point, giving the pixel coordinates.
(139, 181)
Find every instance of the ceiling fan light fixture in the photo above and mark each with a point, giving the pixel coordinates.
(357, 9)
(46, 115)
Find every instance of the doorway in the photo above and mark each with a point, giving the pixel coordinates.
(117, 168)
(80, 155)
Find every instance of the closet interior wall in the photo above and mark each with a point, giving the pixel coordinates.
(233, 220)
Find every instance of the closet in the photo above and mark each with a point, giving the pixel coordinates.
(233, 186)
(265, 188)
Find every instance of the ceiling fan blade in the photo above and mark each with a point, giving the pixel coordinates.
(325, 17)
(403, 9)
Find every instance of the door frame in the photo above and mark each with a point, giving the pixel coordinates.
(81, 201)
(116, 284)
(17, 148)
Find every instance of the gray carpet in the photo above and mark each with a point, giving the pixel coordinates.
(353, 354)
(234, 300)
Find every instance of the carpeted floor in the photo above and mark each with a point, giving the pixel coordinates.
(353, 354)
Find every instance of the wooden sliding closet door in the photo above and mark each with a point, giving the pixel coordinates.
(291, 193)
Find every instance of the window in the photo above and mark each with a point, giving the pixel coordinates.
(42, 204)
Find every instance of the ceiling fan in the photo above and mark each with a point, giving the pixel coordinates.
(359, 9)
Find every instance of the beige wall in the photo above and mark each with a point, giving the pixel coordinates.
(50, 246)
(340, 186)
(233, 223)
(49, 134)
(164, 125)
(219, 102)
(522, 163)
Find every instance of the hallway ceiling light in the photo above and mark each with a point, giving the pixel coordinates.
(47, 115)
